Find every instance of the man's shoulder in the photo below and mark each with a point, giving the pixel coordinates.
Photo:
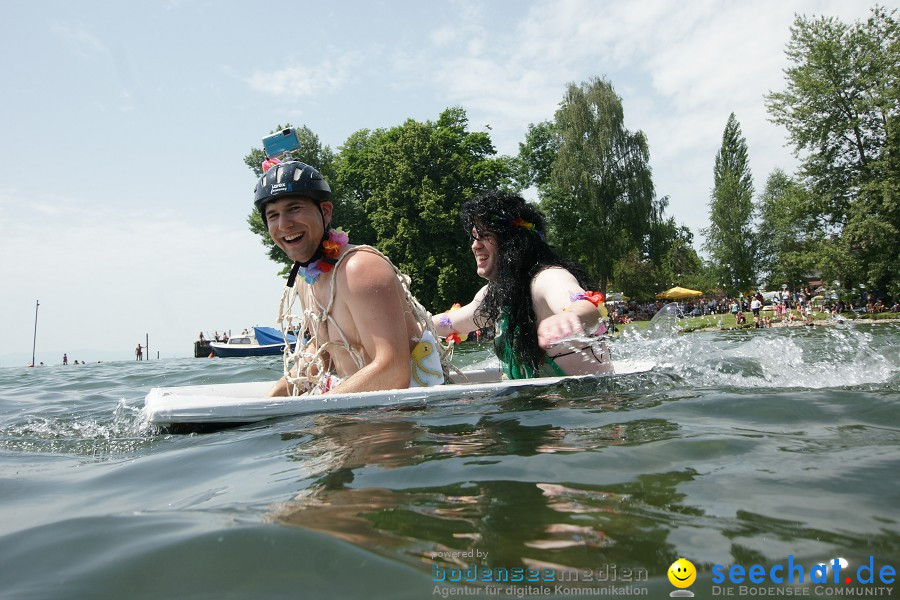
(363, 267)
(365, 257)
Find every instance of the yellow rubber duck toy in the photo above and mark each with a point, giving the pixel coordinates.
(425, 364)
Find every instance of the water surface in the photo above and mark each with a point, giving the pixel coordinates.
(737, 448)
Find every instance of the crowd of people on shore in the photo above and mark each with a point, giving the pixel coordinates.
(786, 307)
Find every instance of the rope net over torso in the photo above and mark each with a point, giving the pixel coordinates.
(306, 364)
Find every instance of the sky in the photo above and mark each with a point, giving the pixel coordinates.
(123, 130)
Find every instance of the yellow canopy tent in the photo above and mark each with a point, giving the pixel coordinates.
(677, 293)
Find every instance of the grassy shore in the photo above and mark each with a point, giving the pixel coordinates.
(729, 321)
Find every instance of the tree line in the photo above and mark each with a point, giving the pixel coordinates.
(400, 188)
(838, 216)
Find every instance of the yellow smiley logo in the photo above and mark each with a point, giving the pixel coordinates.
(682, 573)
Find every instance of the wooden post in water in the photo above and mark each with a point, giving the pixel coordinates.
(34, 342)
(147, 344)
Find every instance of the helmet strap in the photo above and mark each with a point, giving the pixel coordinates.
(293, 274)
(319, 253)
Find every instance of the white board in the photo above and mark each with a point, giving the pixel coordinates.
(231, 403)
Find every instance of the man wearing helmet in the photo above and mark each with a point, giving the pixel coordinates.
(361, 321)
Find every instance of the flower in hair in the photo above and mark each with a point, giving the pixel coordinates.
(521, 223)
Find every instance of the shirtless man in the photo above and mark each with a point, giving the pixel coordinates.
(535, 299)
(362, 322)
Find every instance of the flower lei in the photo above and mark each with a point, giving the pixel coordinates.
(444, 321)
(331, 249)
(595, 298)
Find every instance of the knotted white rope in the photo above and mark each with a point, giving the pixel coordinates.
(305, 365)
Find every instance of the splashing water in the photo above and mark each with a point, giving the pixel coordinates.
(788, 357)
(62, 419)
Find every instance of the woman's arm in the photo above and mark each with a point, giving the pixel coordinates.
(461, 320)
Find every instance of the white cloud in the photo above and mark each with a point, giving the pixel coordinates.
(304, 80)
(443, 36)
(85, 41)
(681, 69)
(90, 46)
(130, 270)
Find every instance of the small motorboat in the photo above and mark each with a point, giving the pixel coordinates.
(248, 344)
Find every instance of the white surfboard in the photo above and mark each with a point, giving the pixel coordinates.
(236, 403)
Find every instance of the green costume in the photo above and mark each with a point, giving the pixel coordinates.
(512, 366)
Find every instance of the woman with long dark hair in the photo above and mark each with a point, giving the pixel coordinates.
(535, 300)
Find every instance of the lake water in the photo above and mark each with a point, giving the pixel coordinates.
(738, 448)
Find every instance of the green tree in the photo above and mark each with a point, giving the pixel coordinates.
(841, 91)
(669, 259)
(729, 238)
(400, 190)
(668, 253)
(410, 181)
(681, 265)
(537, 155)
(790, 234)
(355, 184)
(841, 107)
(664, 253)
(873, 227)
(635, 276)
(599, 196)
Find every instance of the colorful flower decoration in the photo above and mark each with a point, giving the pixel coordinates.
(445, 321)
(331, 249)
(595, 298)
(521, 223)
(269, 163)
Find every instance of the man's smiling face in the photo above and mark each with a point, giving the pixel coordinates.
(484, 247)
(297, 224)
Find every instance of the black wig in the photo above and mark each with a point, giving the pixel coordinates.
(522, 253)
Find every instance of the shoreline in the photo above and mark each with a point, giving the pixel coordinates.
(828, 322)
(694, 324)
